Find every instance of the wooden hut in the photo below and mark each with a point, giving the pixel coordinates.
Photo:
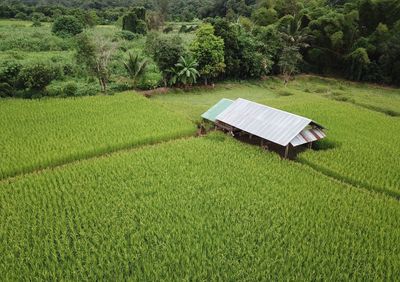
(272, 126)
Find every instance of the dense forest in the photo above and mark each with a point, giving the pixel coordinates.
(233, 39)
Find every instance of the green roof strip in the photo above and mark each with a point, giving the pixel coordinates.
(215, 110)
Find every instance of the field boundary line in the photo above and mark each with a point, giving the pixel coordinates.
(349, 181)
(13, 178)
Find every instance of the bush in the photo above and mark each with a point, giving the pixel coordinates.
(5, 90)
(21, 16)
(67, 26)
(70, 89)
(141, 27)
(36, 23)
(9, 70)
(38, 75)
(127, 35)
(150, 80)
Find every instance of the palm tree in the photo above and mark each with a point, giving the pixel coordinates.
(135, 67)
(186, 70)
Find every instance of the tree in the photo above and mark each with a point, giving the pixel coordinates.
(135, 67)
(163, 7)
(166, 52)
(288, 62)
(38, 75)
(208, 50)
(264, 16)
(243, 58)
(67, 26)
(95, 54)
(185, 71)
(359, 61)
(135, 21)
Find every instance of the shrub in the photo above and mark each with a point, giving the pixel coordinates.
(9, 70)
(85, 89)
(150, 80)
(127, 35)
(38, 75)
(21, 16)
(141, 27)
(36, 23)
(37, 16)
(5, 90)
(70, 89)
(67, 26)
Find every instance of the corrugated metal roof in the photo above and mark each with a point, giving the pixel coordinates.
(307, 135)
(271, 124)
(217, 109)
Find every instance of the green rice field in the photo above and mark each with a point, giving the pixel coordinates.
(119, 188)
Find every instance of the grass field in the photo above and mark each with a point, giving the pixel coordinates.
(41, 133)
(205, 208)
(200, 209)
(362, 144)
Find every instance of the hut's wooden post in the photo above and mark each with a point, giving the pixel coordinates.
(286, 151)
(310, 145)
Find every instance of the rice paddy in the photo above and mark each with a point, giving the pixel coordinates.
(197, 208)
(37, 134)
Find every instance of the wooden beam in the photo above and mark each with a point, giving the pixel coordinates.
(286, 151)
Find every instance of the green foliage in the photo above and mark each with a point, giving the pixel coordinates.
(95, 54)
(208, 50)
(74, 88)
(359, 62)
(67, 26)
(135, 21)
(127, 35)
(21, 16)
(289, 61)
(135, 66)
(150, 80)
(70, 89)
(166, 51)
(9, 70)
(184, 72)
(264, 16)
(243, 53)
(38, 75)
